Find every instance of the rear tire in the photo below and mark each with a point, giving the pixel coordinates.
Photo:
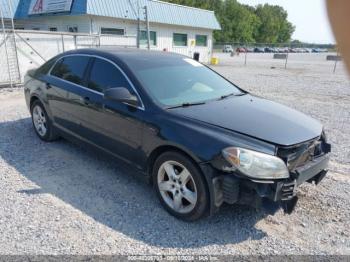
(42, 123)
(180, 186)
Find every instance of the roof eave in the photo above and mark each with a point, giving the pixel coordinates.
(217, 27)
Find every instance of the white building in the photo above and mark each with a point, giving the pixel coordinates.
(173, 28)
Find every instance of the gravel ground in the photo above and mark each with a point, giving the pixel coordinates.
(58, 198)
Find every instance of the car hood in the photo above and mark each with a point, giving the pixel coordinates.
(256, 117)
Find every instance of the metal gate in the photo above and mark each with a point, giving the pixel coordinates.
(21, 50)
(9, 66)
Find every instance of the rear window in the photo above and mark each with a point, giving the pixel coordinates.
(71, 69)
(45, 68)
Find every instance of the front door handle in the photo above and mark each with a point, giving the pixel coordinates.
(48, 86)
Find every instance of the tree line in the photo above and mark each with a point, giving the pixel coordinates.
(246, 24)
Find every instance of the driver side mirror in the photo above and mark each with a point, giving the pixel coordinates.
(121, 94)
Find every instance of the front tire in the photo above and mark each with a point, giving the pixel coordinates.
(42, 123)
(180, 186)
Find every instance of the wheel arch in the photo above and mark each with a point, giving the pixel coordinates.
(33, 98)
(36, 97)
(167, 148)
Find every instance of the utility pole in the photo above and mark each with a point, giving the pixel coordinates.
(138, 25)
(147, 25)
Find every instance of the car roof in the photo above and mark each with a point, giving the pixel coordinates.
(126, 54)
(132, 58)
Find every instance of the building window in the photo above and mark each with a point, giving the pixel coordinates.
(201, 40)
(112, 31)
(36, 28)
(53, 29)
(72, 29)
(180, 39)
(153, 38)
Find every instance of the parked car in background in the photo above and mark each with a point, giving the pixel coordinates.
(301, 50)
(250, 50)
(201, 140)
(293, 50)
(227, 49)
(319, 50)
(259, 50)
(270, 50)
(282, 50)
(298, 50)
(241, 50)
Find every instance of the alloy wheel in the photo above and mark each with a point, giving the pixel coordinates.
(177, 187)
(39, 120)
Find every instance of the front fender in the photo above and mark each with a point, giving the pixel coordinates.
(201, 141)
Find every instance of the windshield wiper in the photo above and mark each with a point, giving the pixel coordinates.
(187, 105)
(231, 94)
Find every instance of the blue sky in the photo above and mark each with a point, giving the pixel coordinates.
(309, 17)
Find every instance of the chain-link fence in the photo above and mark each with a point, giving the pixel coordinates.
(292, 47)
(279, 55)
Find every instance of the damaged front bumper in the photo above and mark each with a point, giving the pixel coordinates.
(232, 189)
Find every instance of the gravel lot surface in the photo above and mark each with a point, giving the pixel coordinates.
(58, 198)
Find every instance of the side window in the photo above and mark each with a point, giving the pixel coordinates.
(71, 69)
(105, 75)
(45, 68)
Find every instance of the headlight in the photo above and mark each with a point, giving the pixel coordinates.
(255, 164)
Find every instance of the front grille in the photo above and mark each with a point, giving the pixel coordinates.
(298, 156)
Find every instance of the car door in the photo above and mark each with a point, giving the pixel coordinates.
(114, 126)
(65, 86)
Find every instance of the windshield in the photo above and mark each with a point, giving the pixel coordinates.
(183, 81)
